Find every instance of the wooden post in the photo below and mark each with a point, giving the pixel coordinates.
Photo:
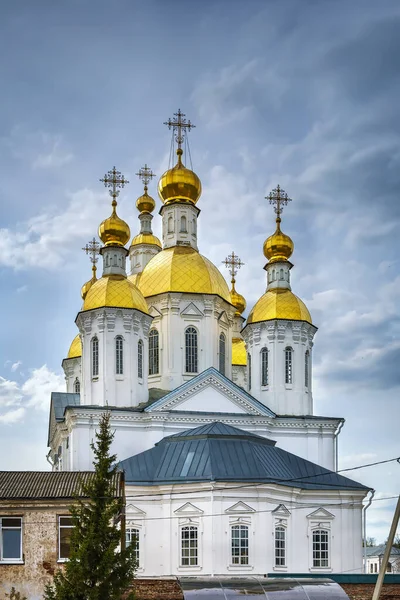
(123, 513)
(388, 549)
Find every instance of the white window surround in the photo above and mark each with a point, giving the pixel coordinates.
(119, 356)
(10, 526)
(189, 522)
(240, 521)
(94, 358)
(135, 524)
(191, 356)
(279, 526)
(64, 523)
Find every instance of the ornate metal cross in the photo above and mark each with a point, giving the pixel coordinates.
(113, 179)
(146, 175)
(233, 263)
(279, 198)
(92, 249)
(179, 124)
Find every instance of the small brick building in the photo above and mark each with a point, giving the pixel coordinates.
(35, 526)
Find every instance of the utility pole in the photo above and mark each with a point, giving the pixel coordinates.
(388, 549)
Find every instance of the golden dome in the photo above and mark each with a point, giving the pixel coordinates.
(278, 246)
(116, 291)
(279, 303)
(146, 238)
(86, 286)
(135, 278)
(114, 231)
(75, 349)
(145, 203)
(179, 184)
(239, 354)
(238, 301)
(182, 269)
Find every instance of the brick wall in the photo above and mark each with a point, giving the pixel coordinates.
(157, 589)
(364, 591)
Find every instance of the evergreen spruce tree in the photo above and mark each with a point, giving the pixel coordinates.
(97, 568)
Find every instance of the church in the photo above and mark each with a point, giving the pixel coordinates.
(227, 468)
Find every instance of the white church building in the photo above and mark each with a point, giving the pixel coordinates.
(228, 470)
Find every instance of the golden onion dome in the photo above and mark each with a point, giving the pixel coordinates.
(135, 279)
(145, 203)
(86, 286)
(239, 354)
(146, 238)
(114, 231)
(179, 184)
(182, 269)
(75, 349)
(279, 303)
(238, 301)
(116, 291)
(278, 246)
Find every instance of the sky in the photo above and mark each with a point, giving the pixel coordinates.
(304, 94)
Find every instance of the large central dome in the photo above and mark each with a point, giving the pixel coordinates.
(279, 303)
(182, 269)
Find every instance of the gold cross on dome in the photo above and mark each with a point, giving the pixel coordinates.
(114, 179)
(278, 198)
(146, 175)
(233, 263)
(179, 124)
(92, 249)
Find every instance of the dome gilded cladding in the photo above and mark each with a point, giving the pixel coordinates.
(114, 231)
(279, 304)
(239, 354)
(182, 269)
(146, 238)
(145, 203)
(114, 291)
(75, 349)
(238, 302)
(278, 246)
(179, 184)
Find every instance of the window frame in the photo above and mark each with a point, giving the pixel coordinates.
(264, 367)
(128, 532)
(94, 357)
(11, 560)
(315, 560)
(140, 356)
(249, 370)
(240, 563)
(190, 528)
(307, 369)
(222, 353)
(59, 557)
(119, 355)
(280, 546)
(77, 383)
(288, 365)
(154, 352)
(191, 345)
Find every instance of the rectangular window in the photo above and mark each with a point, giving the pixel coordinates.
(119, 356)
(10, 538)
(280, 546)
(132, 537)
(95, 357)
(320, 548)
(189, 546)
(240, 545)
(288, 366)
(65, 527)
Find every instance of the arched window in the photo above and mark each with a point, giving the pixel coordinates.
(170, 224)
(306, 368)
(280, 546)
(249, 369)
(240, 545)
(95, 357)
(189, 546)
(132, 538)
(222, 353)
(119, 355)
(194, 227)
(288, 365)
(140, 359)
(281, 274)
(77, 386)
(191, 351)
(183, 224)
(154, 352)
(320, 548)
(264, 366)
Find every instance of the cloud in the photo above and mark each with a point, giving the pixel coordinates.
(35, 392)
(42, 150)
(15, 366)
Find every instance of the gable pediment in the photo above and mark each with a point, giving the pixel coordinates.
(239, 508)
(191, 311)
(154, 312)
(223, 317)
(320, 513)
(210, 392)
(281, 510)
(188, 509)
(133, 510)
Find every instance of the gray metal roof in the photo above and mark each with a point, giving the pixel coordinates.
(37, 485)
(380, 550)
(218, 452)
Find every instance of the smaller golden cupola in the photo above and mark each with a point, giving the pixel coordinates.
(179, 184)
(145, 205)
(279, 246)
(114, 231)
(92, 249)
(239, 355)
